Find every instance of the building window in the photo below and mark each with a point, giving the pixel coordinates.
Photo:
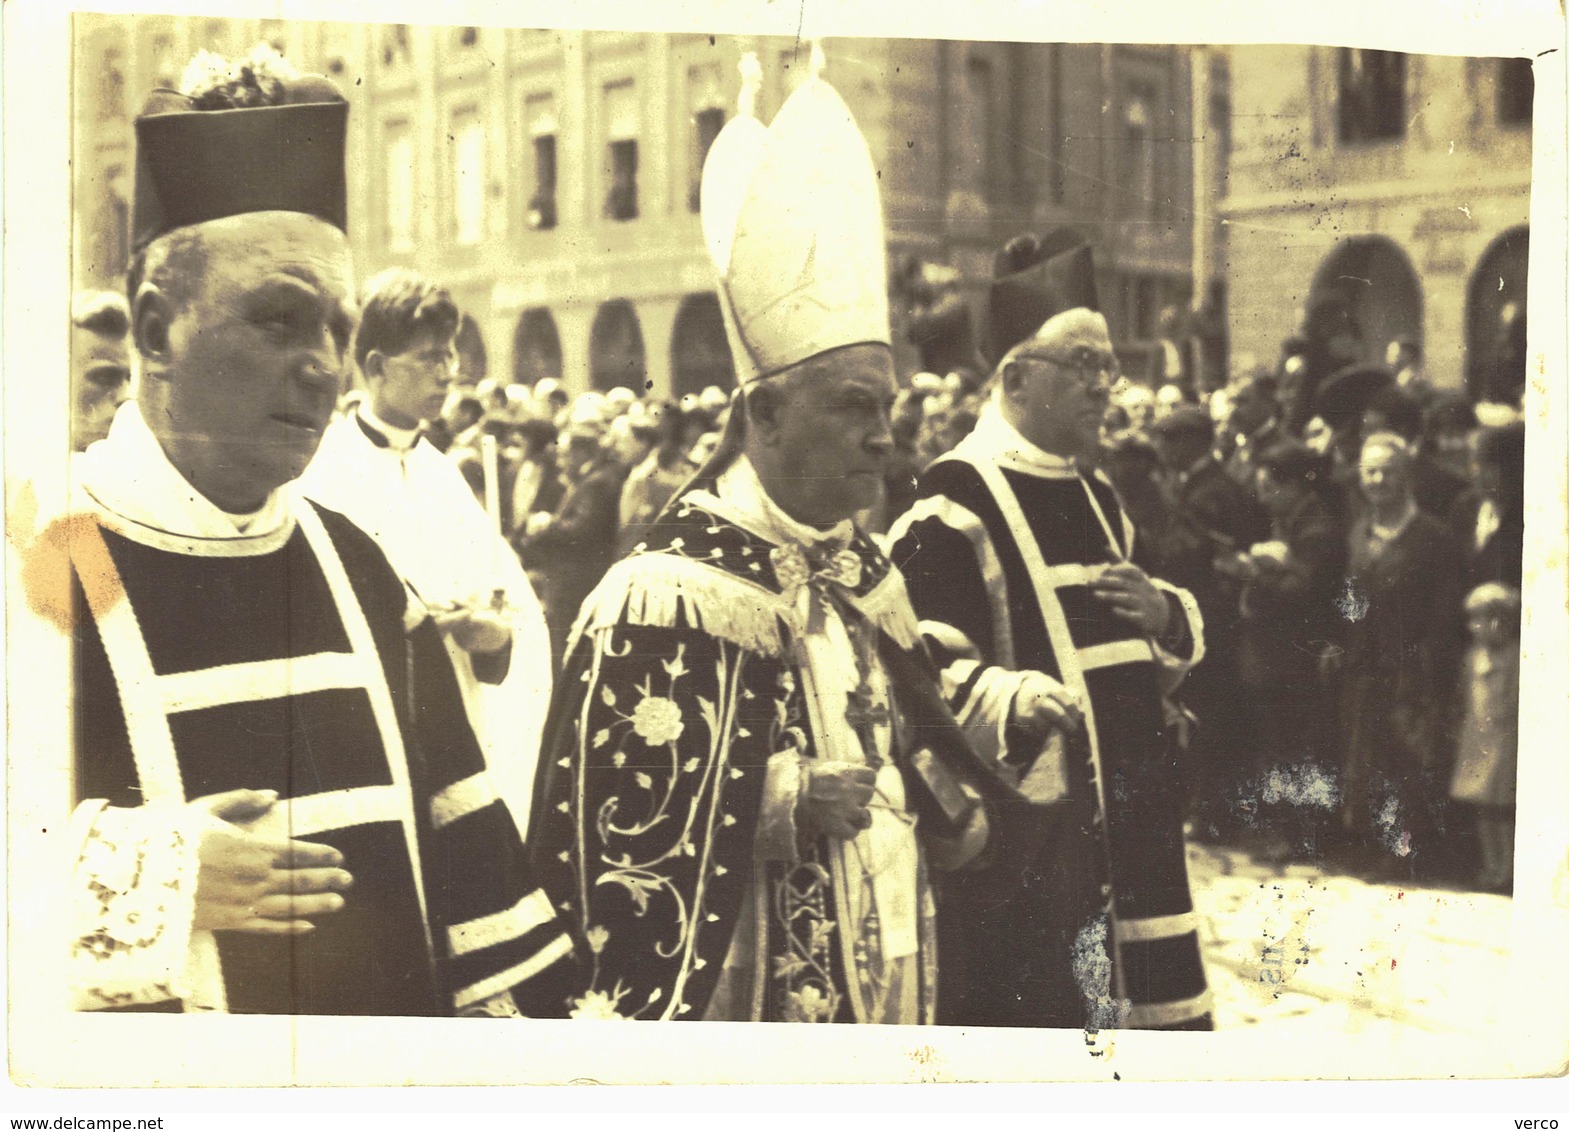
(1057, 168)
(111, 235)
(621, 132)
(396, 50)
(1516, 89)
(468, 37)
(1372, 95)
(621, 202)
(542, 205)
(399, 150)
(1141, 156)
(979, 88)
(539, 118)
(706, 125)
(165, 73)
(466, 140)
(111, 85)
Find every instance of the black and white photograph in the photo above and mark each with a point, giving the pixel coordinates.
(1040, 543)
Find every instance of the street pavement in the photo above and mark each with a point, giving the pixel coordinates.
(1297, 949)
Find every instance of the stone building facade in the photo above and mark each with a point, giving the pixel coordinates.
(1393, 187)
(550, 177)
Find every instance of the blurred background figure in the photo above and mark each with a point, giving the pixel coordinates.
(1218, 517)
(1401, 642)
(1286, 627)
(1404, 359)
(100, 363)
(1491, 516)
(572, 546)
(1485, 762)
(657, 477)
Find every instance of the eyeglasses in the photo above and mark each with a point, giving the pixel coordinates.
(1088, 362)
(445, 361)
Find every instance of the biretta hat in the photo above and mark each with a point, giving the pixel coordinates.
(793, 220)
(1034, 279)
(252, 136)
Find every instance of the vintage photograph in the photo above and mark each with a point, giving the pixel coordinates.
(571, 525)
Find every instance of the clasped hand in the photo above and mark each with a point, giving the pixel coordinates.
(1133, 597)
(250, 882)
(834, 799)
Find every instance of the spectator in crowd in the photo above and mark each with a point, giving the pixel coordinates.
(1220, 517)
(1484, 778)
(536, 485)
(1401, 638)
(550, 398)
(1287, 625)
(656, 478)
(100, 363)
(1447, 425)
(1434, 486)
(1254, 426)
(1168, 399)
(573, 546)
(1404, 358)
(376, 467)
(1491, 517)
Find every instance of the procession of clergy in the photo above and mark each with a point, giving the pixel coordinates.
(783, 775)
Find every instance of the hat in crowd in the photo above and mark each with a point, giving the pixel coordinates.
(1034, 279)
(1184, 420)
(251, 135)
(1346, 394)
(793, 220)
(1491, 596)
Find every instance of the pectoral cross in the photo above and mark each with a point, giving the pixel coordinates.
(861, 709)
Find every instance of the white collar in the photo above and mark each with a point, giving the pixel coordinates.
(1390, 531)
(398, 439)
(742, 489)
(129, 475)
(995, 438)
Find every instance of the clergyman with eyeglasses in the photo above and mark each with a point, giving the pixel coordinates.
(1058, 653)
(377, 466)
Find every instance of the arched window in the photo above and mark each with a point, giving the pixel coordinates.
(1372, 294)
(615, 349)
(1495, 364)
(699, 351)
(536, 347)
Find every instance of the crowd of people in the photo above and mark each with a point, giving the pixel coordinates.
(842, 698)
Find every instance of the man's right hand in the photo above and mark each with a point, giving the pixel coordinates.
(833, 801)
(254, 883)
(1043, 705)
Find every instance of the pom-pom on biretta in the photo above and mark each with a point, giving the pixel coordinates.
(212, 82)
(244, 135)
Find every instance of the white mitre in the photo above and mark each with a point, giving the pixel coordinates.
(794, 225)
